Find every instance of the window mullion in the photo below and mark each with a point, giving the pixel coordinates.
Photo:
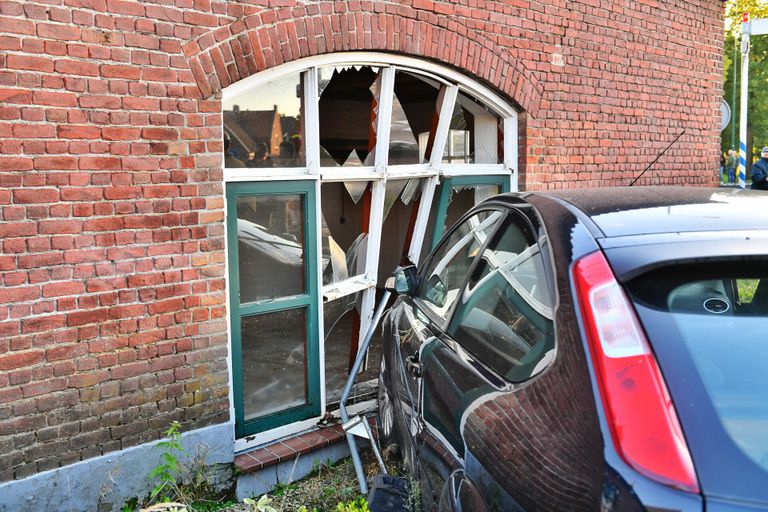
(510, 149)
(422, 219)
(446, 101)
(311, 121)
(379, 186)
(384, 117)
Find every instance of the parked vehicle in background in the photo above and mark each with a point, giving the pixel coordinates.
(595, 349)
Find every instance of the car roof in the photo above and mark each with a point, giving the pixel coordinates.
(629, 211)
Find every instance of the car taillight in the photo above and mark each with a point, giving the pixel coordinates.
(639, 410)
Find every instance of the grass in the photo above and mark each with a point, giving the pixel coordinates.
(327, 485)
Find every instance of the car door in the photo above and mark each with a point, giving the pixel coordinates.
(417, 321)
(498, 334)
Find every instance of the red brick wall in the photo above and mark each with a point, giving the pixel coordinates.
(112, 269)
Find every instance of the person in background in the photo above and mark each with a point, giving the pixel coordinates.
(722, 167)
(230, 160)
(760, 171)
(260, 157)
(730, 165)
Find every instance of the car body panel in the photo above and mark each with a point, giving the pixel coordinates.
(544, 444)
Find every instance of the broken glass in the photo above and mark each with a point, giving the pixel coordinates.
(341, 320)
(414, 119)
(476, 134)
(400, 207)
(264, 127)
(344, 242)
(347, 108)
(464, 197)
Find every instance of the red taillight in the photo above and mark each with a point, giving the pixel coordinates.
(638, 407)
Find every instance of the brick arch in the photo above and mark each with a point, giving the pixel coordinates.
(261, 41)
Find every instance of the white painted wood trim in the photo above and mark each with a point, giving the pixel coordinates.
(511, 149)
(270, 174)
(335, 174)
(291, 429)
(422, 219)
(413, 65)
(311, 119)
(349, 286)
(473, 169)
(447, 101)
(319, 286)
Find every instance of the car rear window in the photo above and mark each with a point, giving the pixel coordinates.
(708, 327)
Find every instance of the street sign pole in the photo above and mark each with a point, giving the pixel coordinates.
(745, 30)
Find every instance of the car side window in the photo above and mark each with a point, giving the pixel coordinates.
(450, 263)
(505, 318)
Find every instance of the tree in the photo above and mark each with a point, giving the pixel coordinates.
(758, 71)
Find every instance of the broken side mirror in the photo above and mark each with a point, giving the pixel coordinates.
(403, 281)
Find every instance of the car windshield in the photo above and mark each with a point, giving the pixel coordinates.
(708, 327)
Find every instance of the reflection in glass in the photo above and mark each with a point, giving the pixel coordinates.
(414, 119)
(274, 362)
(450, 264)
(476, 134)
(265, 126)
(270, 244)
(347, 106)
(343, 241)
(505, 318)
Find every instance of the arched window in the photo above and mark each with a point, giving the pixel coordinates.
(337, 169)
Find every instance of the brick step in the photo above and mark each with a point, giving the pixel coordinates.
(288, 449)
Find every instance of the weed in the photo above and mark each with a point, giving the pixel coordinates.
(358, 505)
(262, 505)
(168, 469)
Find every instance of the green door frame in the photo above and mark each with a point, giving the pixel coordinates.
(445, 194)
(308, 300)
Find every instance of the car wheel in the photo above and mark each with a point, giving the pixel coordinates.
(387, 434)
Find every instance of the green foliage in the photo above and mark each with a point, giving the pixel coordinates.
(358, 505)
(758, 73)
(168, 469)
(262, 505)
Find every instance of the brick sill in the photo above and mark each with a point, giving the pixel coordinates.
(288, 449)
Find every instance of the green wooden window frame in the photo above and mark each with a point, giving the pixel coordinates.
(445, 193)
(308, 300)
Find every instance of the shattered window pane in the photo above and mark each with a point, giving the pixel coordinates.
(464, 197)
(344, 241)
(347, 107)
(274, 361)
(270, 245)
(476, 134)
(341, 320)
(401, 203)
(265, 126)
(414, 119)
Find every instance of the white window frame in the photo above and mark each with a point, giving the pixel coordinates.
(451, 82)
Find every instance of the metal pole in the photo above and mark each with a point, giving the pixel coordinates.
(745, 29)
(348, 389)
(733, 100)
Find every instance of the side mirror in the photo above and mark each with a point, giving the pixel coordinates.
(403, 281)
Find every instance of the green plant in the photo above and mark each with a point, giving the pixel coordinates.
(414, 495)
(262, 505)
(168, 469)
(358, 505)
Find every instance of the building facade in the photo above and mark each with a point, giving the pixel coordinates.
(199, 200)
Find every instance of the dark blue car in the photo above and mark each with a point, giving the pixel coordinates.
(595, 350)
